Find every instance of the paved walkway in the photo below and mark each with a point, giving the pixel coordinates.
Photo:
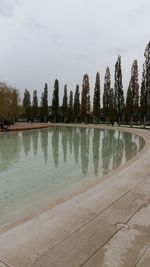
(106, 226)
(19, 126)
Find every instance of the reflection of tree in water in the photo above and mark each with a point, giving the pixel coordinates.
(76, 142)
(26, 140)
(84, 149)
(35, 137)
(9, 150)
(118, 149)
(55, 145)
(64, 143)
(107, 149)
(130, 146)
(96, 143)
(70, 139)
(112, 150)
(44, 143)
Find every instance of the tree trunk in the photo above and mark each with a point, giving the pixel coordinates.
(55, 119)
(97, 120)
(131, 122)
(144, 121)
(107, 119)
(119, 120)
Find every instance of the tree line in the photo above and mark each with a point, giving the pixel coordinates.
(77, 107)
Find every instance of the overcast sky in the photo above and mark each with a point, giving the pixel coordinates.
(46, 39)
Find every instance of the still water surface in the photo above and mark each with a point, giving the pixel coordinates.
(45, 162)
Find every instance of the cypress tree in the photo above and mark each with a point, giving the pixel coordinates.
(42, 107)
(111, 106)
(135, 87)
(65, 104)
(143, 98)
(147, 76)
(71, 106)
(118, 91)
(106, 94)
(85, 97)
(76, 108)
(132, 100)
(88, 105)
(27, 105)
(35, 109)
(55, 101)
(145, 86)
(129, 105)
(44, 103)
(96, 99)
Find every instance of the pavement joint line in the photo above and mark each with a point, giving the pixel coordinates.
(98, 249)
(93, 218)
(4, 263)
(139, 259)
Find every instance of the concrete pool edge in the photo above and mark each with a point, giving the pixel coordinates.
(26, 127)
(70, 217)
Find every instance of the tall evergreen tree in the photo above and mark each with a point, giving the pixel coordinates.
(143, 97)
(111, 106)
(85, 97)
(27, 105)
(135, 87)
(41, 107)
(147, 77)
(71, 106)
(35, 110)
(129, 105)
(145, 86)
(118, 91)
(96, 99)
(55, 101)
(106, 94)
(132, 100)
(65, 104)
(44, 103)
(76, 109)
(88, 105)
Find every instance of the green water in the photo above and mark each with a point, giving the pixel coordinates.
(45, 162)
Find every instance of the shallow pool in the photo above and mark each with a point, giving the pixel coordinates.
(45, 163)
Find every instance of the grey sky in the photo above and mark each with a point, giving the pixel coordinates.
(46, 39)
